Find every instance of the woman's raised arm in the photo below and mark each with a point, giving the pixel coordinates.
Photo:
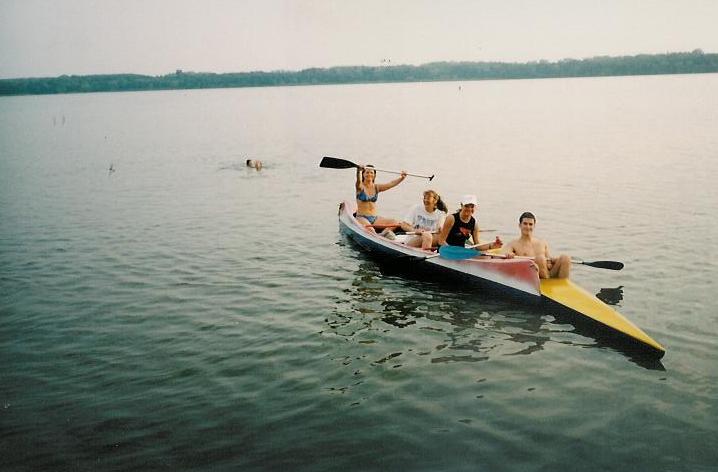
(392, 184)
(358, 184)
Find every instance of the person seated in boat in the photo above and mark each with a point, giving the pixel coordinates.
(367, 193)
(460, 226)
(425, 221)
(254, 163)
(529, 246)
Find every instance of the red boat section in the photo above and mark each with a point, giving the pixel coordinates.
(516, 274)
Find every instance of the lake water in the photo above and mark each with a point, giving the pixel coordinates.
(187, 313)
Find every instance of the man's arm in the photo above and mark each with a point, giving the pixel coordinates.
(541, 259)
(509, 249)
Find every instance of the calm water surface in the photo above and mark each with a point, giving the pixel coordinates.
(187, 313)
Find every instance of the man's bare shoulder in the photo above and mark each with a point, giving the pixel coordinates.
(538, 242)
(539, 246)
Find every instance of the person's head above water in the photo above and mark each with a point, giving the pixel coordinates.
(254, 163)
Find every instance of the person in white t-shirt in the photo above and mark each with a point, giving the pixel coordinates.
(424, 221)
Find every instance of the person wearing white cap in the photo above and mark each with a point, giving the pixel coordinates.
(461, 225)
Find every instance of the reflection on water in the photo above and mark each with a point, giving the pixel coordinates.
(611, 296)
(368, 302)
(144, 307)
(604, 338)
(473, 327)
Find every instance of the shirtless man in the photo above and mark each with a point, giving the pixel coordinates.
(528, 246)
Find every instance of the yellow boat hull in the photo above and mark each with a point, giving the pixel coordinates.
(573, 297)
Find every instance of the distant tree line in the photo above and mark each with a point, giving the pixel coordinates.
(645, 64)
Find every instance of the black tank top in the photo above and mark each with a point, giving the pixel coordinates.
(460, 232)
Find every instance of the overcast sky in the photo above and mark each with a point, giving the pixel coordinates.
(53, 37)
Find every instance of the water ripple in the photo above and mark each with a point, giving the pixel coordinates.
(187, 314)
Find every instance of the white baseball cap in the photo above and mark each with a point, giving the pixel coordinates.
(469, 200)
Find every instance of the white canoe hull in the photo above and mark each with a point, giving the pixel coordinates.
(516, 276)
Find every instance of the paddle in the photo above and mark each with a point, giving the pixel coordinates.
(416, 233)
(336, 163)
(459, 253)
(612, 265)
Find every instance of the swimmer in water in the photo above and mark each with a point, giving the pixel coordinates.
(254, 163)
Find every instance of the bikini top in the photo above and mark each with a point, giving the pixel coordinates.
(363, 197)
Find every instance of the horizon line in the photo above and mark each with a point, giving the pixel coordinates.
(383, 65)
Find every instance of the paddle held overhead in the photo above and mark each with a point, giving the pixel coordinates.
(336, 163)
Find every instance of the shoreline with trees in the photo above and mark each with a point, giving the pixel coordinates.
(695, 62)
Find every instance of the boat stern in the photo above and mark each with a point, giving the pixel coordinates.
(569, 295)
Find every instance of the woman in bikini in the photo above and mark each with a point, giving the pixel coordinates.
(367, 193)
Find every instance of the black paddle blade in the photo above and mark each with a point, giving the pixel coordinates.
(335, 163)
(613, 265)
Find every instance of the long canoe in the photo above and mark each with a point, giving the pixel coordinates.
(516, 278)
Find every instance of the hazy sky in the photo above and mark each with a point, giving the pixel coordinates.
(55, 37)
